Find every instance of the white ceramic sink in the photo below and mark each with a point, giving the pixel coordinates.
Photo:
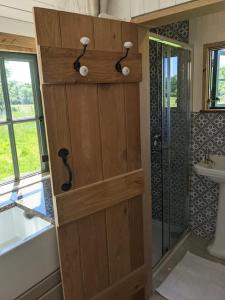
(215, 170)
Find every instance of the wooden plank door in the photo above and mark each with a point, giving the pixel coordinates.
(96, 118)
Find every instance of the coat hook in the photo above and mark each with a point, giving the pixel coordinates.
(83, 70)
(124, 70)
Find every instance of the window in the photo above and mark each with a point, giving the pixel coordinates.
(22, 137)
(217, 79)
(214, 85)
(173, 81)
(170, 72)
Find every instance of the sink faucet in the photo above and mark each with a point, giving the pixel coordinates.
(207, 159)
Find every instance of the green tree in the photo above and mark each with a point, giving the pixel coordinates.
(20, 93)
(221, 85)
(173, 87)
(2, 105)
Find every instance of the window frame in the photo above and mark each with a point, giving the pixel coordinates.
(218, 79)
(207, 79)
(38, 110)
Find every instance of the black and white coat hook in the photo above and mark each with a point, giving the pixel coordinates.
(83, 70)
(124, 69)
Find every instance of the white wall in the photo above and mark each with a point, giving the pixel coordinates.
(204, 30)
(125, 9)
(16, 15)
(120, 9)
(16, 27)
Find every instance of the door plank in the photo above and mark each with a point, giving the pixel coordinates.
(57, 65)
(70, 262)
(47, 27)
(136, 238)
(112, 124)
(130, 33)
(87, 200)
(118, 241)
(136, 232)
(84, 118)
(145, 128)
(93, 247)
(84, 27)
(85, 144)
(85, 138)
(125, 287)
(132, 109)
(58, 132)
(111, 30)
(114, 155)
(140, 295)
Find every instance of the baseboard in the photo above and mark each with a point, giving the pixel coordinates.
(45, 290)
(55, 293)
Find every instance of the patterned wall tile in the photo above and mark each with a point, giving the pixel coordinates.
(208, 132)
(178, 31)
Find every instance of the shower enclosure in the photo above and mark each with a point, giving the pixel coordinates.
(170, 130)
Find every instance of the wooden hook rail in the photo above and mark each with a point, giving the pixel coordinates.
(101, 66)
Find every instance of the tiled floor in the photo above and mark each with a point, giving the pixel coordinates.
(193, 244)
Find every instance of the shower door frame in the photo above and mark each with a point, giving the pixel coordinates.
(176, 44)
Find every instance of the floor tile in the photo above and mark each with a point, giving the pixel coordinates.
(193, 244)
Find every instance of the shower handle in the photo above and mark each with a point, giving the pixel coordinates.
(156, 138)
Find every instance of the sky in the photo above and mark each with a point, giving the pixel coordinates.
(173, 66)
(19, 71)
(222, 61)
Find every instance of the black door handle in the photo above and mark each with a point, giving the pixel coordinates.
(63, 153)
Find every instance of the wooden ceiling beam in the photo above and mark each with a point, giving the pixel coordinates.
(17, 43)
(180, 12)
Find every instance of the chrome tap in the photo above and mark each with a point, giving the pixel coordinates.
(207, 159)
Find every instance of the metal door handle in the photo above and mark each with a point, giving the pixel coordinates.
(63, 153)
(156, 138)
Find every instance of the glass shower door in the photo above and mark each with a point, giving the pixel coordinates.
(175, 142)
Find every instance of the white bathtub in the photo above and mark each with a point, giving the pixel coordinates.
(28, 252)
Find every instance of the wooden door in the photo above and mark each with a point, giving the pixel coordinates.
(96, 118)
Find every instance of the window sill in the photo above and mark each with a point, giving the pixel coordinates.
(33, 194)
(16, 185)
(212, 110)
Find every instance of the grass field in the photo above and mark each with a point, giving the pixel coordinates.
(22, 111)
(6, 166)
(27, 146)
(173, 102)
